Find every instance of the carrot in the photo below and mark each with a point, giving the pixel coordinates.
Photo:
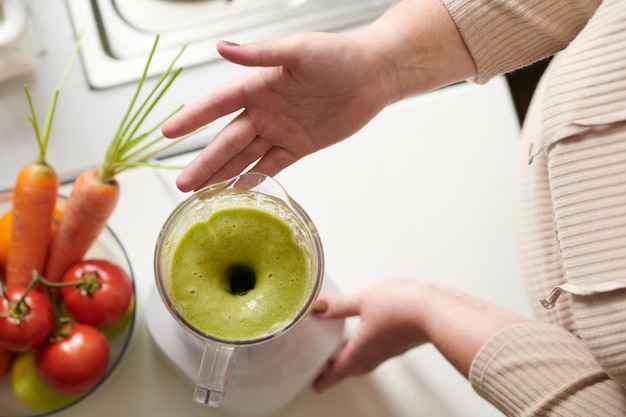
(6, 224)
(88, 208)
(34, 201)
(96, 191)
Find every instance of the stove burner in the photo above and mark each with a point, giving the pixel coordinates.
(165, 16)
(118, 34)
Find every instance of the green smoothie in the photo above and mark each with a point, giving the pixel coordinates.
(239, 275)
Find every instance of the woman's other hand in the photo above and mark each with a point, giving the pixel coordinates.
(399, 314)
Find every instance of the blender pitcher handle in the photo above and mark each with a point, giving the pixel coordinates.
(213, 374)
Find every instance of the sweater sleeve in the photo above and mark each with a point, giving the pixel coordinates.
(503, 35)
(551, 371)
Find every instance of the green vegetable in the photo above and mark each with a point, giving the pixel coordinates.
(111, 331)
(31, 390)
(130, 146)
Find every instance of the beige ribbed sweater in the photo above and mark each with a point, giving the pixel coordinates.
(570, 205)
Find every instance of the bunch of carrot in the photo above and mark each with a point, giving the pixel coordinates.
(94, 194)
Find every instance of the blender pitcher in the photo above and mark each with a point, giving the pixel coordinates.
(251, 341)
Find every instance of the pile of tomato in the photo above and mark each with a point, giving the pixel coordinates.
(55, 337)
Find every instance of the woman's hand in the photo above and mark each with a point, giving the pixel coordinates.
(307, 92)
(311, 90)
(390, 324)
(399, 314)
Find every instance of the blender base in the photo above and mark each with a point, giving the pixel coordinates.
(263, 378)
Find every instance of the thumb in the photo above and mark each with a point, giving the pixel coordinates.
(337, 306)
(267, 53)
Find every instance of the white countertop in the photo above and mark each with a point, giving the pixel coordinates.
(423, 191)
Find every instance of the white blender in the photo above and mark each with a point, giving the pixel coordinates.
(257, 376)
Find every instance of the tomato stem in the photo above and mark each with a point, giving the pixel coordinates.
(86, 282)
(20, 309)
(90, 282)
(6, 296)
(60, 330)
(55, 309)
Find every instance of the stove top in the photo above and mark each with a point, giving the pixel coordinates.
(118, 34)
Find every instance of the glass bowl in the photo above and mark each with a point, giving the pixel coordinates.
(107, 246)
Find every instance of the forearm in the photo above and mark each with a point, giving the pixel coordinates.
(551, 370)
(401, 314)
(418, 48)
(459, 325)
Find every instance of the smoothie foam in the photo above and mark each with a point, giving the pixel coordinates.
(239, 275)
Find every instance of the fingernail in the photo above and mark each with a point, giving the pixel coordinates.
(229, 43)
(322, 384)
(319, 385)
(318, 388)
(320, 306)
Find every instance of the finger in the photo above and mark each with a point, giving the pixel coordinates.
(323, 380)
(224, 100)
(230, 97)
(270, 163)
(267, 53)
(337, 369)
(274, 161)
(337, 306)
(238, 163)
(231, 140)
(328, 378)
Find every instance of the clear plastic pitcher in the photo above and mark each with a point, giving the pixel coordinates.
(258, 371)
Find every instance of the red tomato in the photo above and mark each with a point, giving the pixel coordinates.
(76, 362)
(25, 325)
(104, 295)
(6, 358)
